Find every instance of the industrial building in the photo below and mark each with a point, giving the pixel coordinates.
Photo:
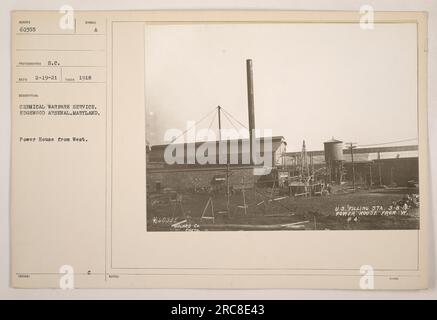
(185, 175)
(232, 152)
(392, 165)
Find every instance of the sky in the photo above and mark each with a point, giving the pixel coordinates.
(312, 82)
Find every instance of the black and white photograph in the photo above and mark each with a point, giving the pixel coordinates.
(281, 126)
(224, 151)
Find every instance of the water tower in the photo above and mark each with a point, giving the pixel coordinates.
(334, 159)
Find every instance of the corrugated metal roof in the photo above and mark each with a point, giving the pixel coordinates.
(276, 140)
(156, 152)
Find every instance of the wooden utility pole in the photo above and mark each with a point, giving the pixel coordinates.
(352, 147)
(312, 164)
(228, 191)
(219, 109)
(219, 122)
(379, 168)
(371, 179)
(304, 161)
(244, 199)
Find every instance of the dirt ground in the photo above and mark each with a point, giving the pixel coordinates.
(346, 210)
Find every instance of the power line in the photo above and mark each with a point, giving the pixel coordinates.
(385, 143)
(213, 118)
(195, 123)
(228, 116)
(230, 121)
(235, 119)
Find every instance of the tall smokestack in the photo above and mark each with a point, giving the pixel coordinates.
(250, 102)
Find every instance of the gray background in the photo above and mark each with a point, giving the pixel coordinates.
(399, 5)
